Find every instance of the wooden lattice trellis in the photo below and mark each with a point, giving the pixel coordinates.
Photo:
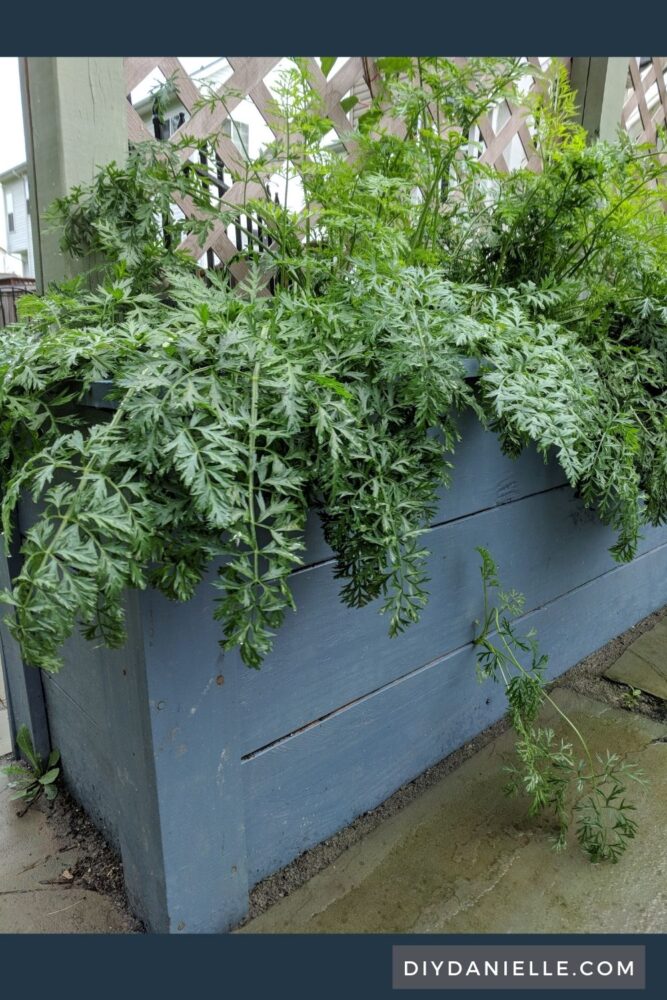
(645, 107)
(247, 81)
(498, 134)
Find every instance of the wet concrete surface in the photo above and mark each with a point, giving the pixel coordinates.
(644, 664)
(36, 894)
(464, 858)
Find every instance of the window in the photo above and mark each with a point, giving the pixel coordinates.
(170, 124)
(239, 133)
(27, 195)
(9, 202)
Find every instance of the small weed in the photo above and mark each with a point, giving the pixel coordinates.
(631, 697)
(589, 791)
(32, 778)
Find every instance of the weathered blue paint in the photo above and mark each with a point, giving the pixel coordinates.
(481, 478)
(327, 654)
(23, 685)
(99, 718)
(193, 704)
(208, 776)
(306, 786)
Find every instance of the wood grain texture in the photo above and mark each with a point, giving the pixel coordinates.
(328, 654)
(193, 705)
(305, 788)
(482, 477)
(224, 774)
(99, 719)
(221, 774)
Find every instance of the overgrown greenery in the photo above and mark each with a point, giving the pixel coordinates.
(589, 792)
(236, 411)
(32, 778)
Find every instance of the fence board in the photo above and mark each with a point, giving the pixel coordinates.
(645, 109)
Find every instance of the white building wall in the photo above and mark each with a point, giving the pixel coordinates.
(9, 264)
(19, 242)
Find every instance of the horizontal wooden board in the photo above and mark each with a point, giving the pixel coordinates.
(327, 654)
(482, 477)
(308, 786)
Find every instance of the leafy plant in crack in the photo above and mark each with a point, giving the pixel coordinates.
(631, 698)
(589, 792)
(33, 778)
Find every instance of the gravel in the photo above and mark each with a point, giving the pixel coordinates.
(97, 868)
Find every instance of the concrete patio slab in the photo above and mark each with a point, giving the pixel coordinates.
(463, 858)
(34, 896)
(644, 663)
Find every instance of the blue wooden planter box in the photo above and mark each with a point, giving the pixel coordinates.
(208, 776)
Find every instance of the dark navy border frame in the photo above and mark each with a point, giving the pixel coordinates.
(483, 27)
(255, 967)
(325, 967)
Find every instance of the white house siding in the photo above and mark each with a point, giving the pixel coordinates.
(9, 264)
(19, 242)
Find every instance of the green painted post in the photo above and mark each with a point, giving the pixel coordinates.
(74, 118)
(600, 83)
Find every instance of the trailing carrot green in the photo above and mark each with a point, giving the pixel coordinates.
(588, 792)
(237, 411)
